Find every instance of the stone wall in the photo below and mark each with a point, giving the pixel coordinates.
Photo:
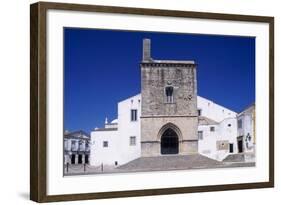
(156, 76)
(151, 134)
(156, 112)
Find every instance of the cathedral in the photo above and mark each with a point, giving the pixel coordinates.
(166, 118)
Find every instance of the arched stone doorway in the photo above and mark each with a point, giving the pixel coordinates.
(169, 142)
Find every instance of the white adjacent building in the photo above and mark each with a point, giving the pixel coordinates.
(246, 141)
(76, 147)
(119, 141)
(217, 130)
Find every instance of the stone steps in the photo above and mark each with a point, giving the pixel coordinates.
(170, 162)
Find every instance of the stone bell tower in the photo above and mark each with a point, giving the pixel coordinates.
(169, 119)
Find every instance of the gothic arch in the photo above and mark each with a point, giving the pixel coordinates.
(169, 126)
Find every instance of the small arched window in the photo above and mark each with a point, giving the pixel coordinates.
(169, 92)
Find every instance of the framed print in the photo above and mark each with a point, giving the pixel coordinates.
(135, 102)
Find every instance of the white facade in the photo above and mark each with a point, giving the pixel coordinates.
(76, 147)
(128, 129)
(216, 143)
(246, 130)
(104, 147)
(120, 148)
(214, 111)
(217, 130)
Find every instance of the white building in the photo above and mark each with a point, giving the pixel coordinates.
(246, 133)
(119, 141)
(76, 147)
(217, 130)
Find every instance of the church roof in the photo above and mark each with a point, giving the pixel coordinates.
(206, 121)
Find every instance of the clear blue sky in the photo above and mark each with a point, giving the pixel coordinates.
(101, 68)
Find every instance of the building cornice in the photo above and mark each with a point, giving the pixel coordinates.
(81, 132)
(186, 64)
(76, 137)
